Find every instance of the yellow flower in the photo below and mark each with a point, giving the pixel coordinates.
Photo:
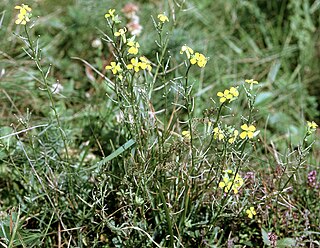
(228, 184)
(224, 183)
(163, 18)
(251, 82)
(187, 50)
(230, 95)
(200, 59)
(24, 14)
(234, 92)
(312, 125)
(248, 131)
(145, 63)
(218, 134)
(110, 14)
(114, 67)
(251, 212)
(134, 47)
(134, 65)
(233, 137)
(186, 134)
(121, 32)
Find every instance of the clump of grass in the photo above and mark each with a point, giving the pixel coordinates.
(149, 168)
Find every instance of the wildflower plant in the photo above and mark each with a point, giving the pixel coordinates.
(173, 176)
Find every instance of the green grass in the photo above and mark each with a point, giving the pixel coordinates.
(92, 167)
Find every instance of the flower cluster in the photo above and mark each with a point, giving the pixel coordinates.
(231, 181)
(251, 212)
(272, 237)
(231, 134)
(136, 65)
(312, 179)
(248, 131)
(195, 58)
(230, 95)
(198, 59)
(24, 14)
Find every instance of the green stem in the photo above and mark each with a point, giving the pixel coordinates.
(44, 79)
(188, 186)
(167, 215)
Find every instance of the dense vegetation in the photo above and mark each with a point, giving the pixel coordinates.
(192, 126)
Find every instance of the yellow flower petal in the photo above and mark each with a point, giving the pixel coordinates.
(251, 128)
(250, 135)
(244, 127)
(222, 185)
(243, 135)
(220, 94)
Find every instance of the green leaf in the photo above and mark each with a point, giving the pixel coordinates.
(274, 71)
(286, 242)
(116, 153)
(265, 238)
(264, 97)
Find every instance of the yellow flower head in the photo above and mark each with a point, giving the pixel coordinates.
(312, 125)
(230, 95)
(145, 63)
(134, 65)
(251, 81)
(121, 32)
(163, 18)
(199, 59)
(24, 14)
(186, 135)
(187, 50)
(234, 92)
(134, 47)
(110, 14)
(218, 134)
(114, 67)
(251, 212)
(231, 182)
(248, 131)
(233, 136)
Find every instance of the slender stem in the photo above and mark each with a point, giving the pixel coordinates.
(44, 79)
(188, 186)
(167, 215)
(215, 124)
